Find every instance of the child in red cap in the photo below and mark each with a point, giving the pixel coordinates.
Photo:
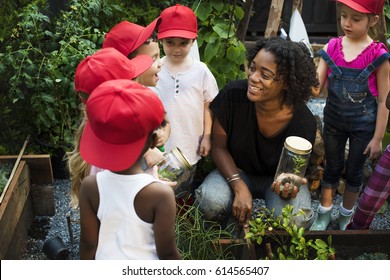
(132, 39)
(356, 69)
(186, 87)
(104, 65)
(124, 213)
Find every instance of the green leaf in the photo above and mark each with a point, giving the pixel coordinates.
(222, 29)
(239, 13)
(210, 51)
(204, 11)
(217, 4)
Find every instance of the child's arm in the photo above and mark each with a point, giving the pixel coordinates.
(89, 223)
(205, 144)
(374, 148)
(164, 223)
(322, 74)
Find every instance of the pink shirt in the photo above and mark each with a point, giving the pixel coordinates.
(367, 56)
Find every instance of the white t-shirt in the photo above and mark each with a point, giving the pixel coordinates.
(184, 96)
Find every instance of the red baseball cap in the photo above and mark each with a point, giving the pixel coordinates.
(126, 36)
(107, 64)
(365, 6)
(178, 21)
(121, 114)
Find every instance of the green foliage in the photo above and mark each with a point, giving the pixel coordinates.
(290, 240)
(39, 63)
(5, 172)
(299, 162)
(197, 240)
(387, 17)
(219, 48)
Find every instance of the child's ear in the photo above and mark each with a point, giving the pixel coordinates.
(373, 20)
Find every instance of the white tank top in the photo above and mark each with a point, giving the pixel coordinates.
(122, 234)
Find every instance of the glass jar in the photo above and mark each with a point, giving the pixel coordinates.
(293, 161)
(172, 166)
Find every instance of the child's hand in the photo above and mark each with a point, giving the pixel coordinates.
(162, 135)
(166, 182)
(153, 156)
(205, 146)
(374, 148)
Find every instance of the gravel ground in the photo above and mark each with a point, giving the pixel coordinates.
(45, 227)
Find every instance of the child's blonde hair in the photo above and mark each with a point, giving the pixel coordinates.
(78, 168)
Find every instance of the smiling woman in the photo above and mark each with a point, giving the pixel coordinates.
(271, 104)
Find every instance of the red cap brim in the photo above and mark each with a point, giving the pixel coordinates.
(146, 33)
(177, 33)
(355, 6)
(106, 155)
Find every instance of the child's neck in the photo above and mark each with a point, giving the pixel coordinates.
(133, 170)
(176, 67)
(353, 47)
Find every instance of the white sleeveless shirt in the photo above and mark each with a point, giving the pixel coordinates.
(122, 234)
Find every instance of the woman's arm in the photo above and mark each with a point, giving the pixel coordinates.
(242, 204)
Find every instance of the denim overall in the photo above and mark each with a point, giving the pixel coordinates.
(350, 113)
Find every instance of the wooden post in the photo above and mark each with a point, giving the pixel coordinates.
(274, 18)
(297, 4)
(243, 24)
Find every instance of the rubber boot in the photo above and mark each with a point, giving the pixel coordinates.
(322, 221)
(344, 220)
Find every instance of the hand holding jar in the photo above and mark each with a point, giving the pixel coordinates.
(292, 166)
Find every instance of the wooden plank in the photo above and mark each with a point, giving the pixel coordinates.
(274, 18)
(40, 167)
(18, 244)
(12, 206)
(347, 243)
(13, 170)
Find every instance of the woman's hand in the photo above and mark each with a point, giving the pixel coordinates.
(285, 185)
(242, 203)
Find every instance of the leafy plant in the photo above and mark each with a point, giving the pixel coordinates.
(290, 240)
(219, 48)
(5, 172)
(299, 162)
(197, 239)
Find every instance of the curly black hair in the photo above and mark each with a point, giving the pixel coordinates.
(294, 65)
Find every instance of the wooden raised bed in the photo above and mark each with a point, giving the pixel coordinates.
(348, 244)
(17, 207)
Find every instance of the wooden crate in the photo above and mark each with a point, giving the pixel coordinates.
(16, 214)
(348, 244)
(33, 175)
